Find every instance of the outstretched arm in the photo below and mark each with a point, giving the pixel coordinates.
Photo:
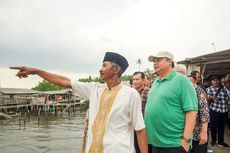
(59, 80)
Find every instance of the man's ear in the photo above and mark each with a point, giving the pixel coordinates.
(116, 70)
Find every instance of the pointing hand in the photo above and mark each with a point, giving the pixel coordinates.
(24, 71)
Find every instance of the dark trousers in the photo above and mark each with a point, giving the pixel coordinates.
(136, 143)
(196, 148)
(137, 146)
(169, 150)
(217, 123)
(150, 148)
(228, 123)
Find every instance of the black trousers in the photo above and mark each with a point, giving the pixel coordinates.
(150, 148)
(137, 146)
(196, 148)
(136, 143)
(228, 123)
(217, 123)
(169, 150)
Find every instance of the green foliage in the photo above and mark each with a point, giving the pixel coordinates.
(97, 79)
(149, 73)
(90, 79)
(126, 77)
(46, 86)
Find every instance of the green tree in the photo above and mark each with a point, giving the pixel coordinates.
(89, 79)
(98, 79)
(46, 86)
(126, 77)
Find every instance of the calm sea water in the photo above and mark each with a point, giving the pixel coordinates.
(49, 135)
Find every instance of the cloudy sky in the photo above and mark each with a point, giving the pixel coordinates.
(70, 37)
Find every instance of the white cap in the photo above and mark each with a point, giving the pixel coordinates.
(161, 54)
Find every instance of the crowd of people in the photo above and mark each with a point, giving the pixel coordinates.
(168, 113)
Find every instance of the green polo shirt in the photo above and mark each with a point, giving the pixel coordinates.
(168, 101)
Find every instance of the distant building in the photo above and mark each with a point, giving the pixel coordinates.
(12, 96)
(17, 92)
(217, 63)
(64, 95)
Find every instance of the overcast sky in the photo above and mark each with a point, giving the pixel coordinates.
(70, 37)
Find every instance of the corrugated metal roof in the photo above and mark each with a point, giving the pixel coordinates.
(18, 91)
(217, 63)
(221, 56)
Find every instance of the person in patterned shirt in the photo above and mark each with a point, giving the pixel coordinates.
(200, 136)
(219, 103)
(139, 85)
(143, 90)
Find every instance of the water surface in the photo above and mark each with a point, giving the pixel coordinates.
(49, 135)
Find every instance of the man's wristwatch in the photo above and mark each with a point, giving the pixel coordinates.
(186, 139)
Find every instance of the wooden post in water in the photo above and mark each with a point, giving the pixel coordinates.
(74, 105)
(36, 110)
(25, 116)
(53, 107)
(85, 132)
(39, 111)
(45, 109)
(26, 109)
(56, 111)
(19, 119)
(69, 110)
(29, 113)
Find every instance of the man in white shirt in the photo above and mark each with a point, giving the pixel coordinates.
(114, 110)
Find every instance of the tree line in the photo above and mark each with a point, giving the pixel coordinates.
(46, 86)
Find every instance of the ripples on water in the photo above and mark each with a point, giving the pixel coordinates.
(52, 135)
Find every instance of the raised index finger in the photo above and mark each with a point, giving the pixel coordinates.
(16, 67)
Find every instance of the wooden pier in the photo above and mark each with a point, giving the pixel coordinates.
(27, 100)
(52, 106)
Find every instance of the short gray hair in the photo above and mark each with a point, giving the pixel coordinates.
(115, 65)
(181, 68)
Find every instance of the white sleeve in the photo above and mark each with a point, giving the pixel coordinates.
(82, 89)
(135, 112)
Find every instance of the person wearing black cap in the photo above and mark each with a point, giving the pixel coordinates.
(219, 102)
(114, 109)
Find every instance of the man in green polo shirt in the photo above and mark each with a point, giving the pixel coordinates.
(171, 108)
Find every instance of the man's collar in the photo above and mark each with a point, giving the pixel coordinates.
(169, 77)
(141, 88)
(115, 87)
